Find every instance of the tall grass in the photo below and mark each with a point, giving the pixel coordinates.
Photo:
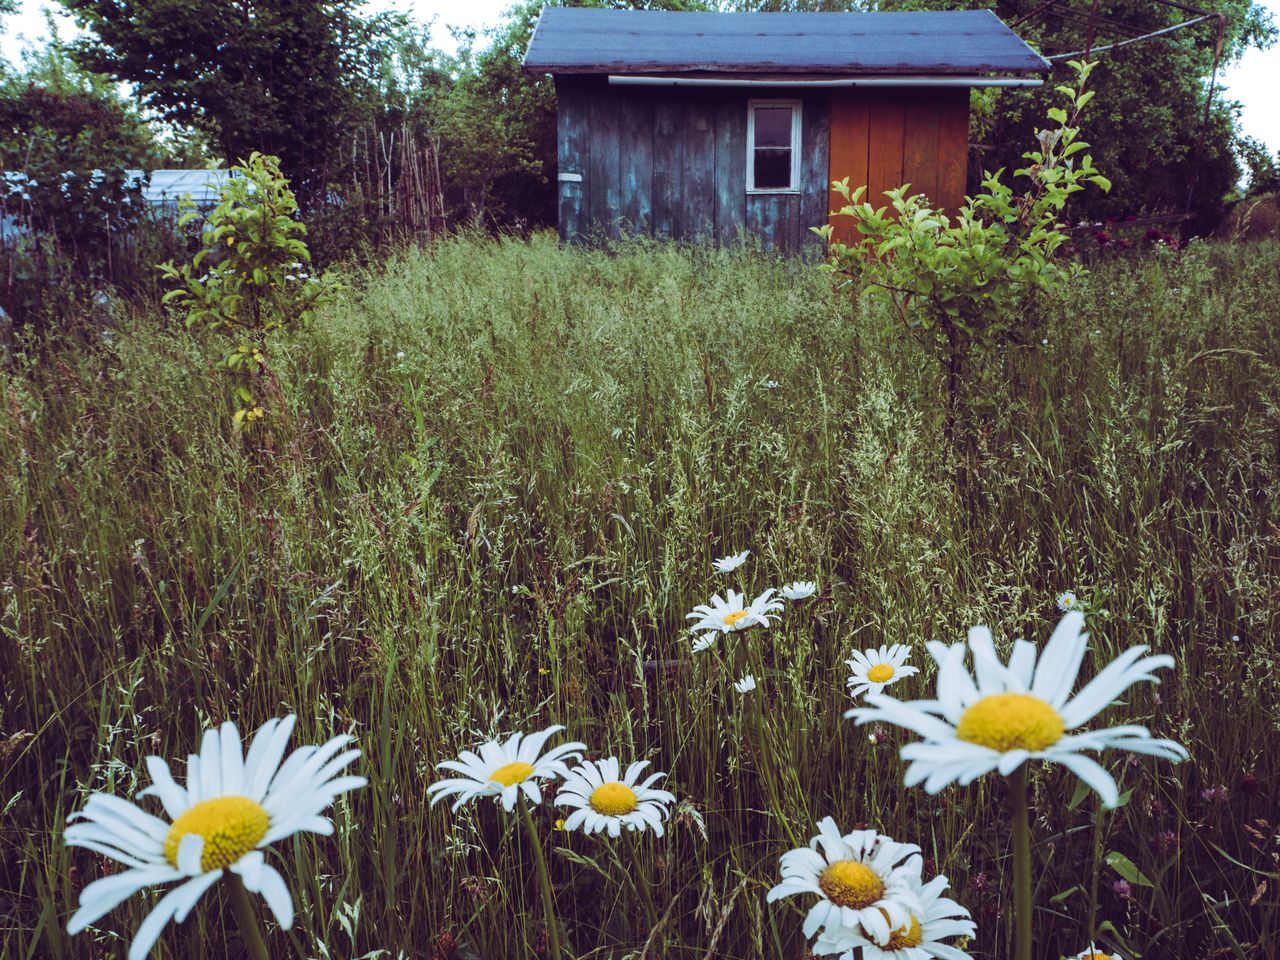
(505, 526)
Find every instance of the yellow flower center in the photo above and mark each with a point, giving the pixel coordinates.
(512, 773)
(1011, 721)
(733, 618)
(904, 938)
(231, 827)
(880, 673)
(1097, 956)
(848, 883)
(613, 799)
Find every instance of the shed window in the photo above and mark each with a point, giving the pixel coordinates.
(773, 146)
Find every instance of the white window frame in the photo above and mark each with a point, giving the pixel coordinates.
(797, 124)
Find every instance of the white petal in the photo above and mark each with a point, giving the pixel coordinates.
(211, 764)
(177, 898)
(172, 797)
(276, 893)
(190, 851)
(105, 894)
(232, 760)
(264, 757)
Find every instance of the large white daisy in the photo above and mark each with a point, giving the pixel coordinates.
(605, 801)
(860, 878)
(505, 770)
(231, 808)
(873, 670)
(930, 918)
(730, 613)
(1019, 711)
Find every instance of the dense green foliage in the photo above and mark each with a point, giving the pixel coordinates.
(971, 283)
(70, 149)
(273, 76)
(499, 476)
(251, 277)
(1150, 133)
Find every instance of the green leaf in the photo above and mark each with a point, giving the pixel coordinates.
(1125, 867)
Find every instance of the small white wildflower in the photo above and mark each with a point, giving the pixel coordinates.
(799, 590)
(731, 563)
(1067, 601)
(746, 684)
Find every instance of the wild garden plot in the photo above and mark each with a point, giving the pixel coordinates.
(491, 484)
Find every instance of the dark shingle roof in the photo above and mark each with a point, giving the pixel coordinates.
(964, 42)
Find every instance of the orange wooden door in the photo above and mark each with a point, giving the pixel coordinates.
(883, 137)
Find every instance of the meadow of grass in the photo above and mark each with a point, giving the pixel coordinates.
(491, 485)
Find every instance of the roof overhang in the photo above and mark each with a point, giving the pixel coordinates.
(964, 45)
(790, 83)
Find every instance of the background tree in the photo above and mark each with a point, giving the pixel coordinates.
(72, 148)
(1152, 132)
(267, 75)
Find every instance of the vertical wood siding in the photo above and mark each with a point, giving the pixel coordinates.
(672, 162)
(882, 138)
(572, 125)
(637, 162)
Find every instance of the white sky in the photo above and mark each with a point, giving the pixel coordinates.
(1254, 81)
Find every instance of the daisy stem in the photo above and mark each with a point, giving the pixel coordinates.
(254, 946)
(1021, 863)
(544, 882)
(641, 883)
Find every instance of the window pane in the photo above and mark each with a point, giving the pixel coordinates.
(773, 170)
(773, 127)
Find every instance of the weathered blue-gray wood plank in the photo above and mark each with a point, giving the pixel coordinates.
(604, 166)
(775, 219)
(731, 169)
(636, 111)
(698, 220)
(572, 126)
(815, 142)
(766, 218)
(668, 165)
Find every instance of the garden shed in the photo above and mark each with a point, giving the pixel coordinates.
(703, 126)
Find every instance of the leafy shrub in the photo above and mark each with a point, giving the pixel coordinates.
(255, 278)
(963, 286)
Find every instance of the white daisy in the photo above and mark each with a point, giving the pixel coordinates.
(506, 770)
(1093, 953)
(929, 919)
(860, 877)
(746, 684)
(729, 564)
(232, 807)
(873, 670)
(1019, 711)
(1068, 601)
(799, 590)
(603, 801)
(729, 614)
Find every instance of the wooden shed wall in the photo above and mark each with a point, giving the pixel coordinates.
(885, 137)
(672, 162)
